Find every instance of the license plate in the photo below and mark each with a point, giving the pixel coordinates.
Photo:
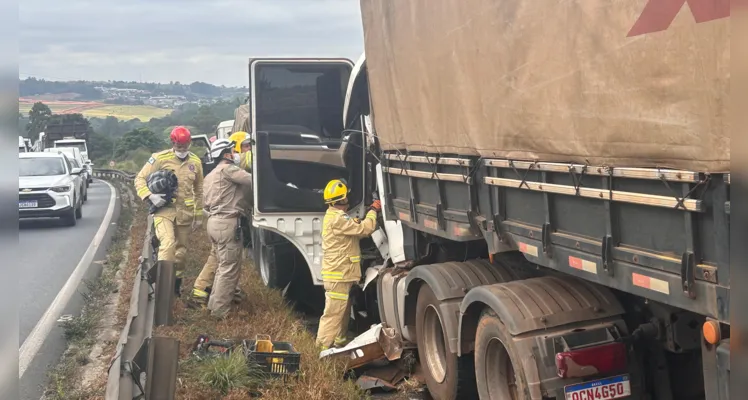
(28, 204)
(602, 389)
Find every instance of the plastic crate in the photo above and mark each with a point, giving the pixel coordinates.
(282, 362)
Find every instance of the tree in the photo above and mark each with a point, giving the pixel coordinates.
(101, 147)
(141, 138)
(205, 120)
(38, 117)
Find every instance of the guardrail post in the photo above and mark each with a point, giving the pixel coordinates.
(163, 361)
(165, 279)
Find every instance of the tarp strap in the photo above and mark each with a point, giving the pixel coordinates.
(680, 200)
(522, 177)
(577, 178)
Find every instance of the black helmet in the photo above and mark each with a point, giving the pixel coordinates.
(162, 182)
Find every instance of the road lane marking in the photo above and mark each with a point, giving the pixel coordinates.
(41, 331)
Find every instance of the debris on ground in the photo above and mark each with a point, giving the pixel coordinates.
(377, 343)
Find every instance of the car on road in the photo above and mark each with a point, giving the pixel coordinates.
(49, 186)
(84, 177)
(74, 153)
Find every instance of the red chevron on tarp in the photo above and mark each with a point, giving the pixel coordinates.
(659, 14)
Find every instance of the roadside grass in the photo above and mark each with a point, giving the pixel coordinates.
(263, 312)
(81, 332)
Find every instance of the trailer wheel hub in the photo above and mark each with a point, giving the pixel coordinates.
(435, 348)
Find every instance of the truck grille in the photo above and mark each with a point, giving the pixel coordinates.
(43, 199)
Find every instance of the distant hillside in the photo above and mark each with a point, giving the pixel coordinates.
(89, 90)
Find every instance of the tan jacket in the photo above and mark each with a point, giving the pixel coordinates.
(189, 199)
(341, 254)
(225, 191)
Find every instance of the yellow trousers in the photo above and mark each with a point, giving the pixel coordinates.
(172, 239)
(207, 274)
(333, 326)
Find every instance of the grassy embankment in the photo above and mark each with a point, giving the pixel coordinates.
(264, 312)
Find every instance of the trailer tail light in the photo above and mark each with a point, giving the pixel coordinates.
(588, 361)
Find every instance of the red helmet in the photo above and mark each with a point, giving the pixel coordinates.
(180, 135)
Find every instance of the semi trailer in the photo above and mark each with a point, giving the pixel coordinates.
(555, 185)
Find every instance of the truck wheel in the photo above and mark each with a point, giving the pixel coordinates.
(269, 263)
(495, 361)
(448, 376)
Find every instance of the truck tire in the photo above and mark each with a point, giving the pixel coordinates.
(79, 211)
(269, 263)
(448, 376)
(498, 371)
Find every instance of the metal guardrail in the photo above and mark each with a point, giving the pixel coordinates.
(145, 366)
(113, 174)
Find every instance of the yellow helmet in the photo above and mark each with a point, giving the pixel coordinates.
(335, 191)
(239, 137)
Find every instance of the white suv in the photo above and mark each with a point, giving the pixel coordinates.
(49, 186)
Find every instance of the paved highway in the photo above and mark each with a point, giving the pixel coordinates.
(54, 261)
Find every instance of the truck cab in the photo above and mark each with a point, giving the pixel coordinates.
(296, 119)
(223, 131)
(79, 144)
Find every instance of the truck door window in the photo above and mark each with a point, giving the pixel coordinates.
(301, 99)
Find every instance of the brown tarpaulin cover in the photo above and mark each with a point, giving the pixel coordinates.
(566, 81)
(241, 119)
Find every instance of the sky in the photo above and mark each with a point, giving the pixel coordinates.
(179, 40)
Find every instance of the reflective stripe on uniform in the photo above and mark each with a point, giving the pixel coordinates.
(371, 215)
(340, 341)
(178, 274)
(198, 212)
(338, 296)
(332, 276)
(189, 202)
(143, 191)
(199, 293)
(165, 156)
(195, 158)
(156, 221)
(356, 259)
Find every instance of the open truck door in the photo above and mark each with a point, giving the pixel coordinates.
(300, 144)
(201, 148)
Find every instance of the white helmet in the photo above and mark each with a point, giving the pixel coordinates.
(218, 147)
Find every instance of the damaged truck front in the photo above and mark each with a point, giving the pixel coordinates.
(555, 182)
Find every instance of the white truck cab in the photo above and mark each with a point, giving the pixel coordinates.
(301, 142)
(223, 131)
(80, 144)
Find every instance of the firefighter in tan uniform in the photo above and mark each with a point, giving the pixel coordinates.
(174, 222)
(224, 198)
(204, 282)
(341, 261)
